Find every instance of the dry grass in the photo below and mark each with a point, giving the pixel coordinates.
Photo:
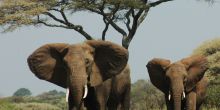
(35, 106)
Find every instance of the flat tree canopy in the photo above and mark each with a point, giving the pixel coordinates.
(55, 13)
(131, 13)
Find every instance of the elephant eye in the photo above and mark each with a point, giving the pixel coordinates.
(87, 61)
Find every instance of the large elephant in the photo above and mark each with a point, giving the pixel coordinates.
(79, 67)
(182, 82)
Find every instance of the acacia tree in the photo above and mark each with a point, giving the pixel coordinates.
(17, 13)
(131, 13)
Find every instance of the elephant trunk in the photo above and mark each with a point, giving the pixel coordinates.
(77, 87)
(177, 92)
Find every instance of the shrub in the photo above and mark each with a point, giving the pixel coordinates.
(22, 92)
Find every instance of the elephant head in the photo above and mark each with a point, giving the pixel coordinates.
(76, 66)
(176, 79)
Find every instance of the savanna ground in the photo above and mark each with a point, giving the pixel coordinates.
(144, 96)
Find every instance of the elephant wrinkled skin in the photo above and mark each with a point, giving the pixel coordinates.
(182, 82)
(80, 67)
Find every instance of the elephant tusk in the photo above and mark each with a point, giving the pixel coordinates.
(169, 96)
(85, 91)
(67, 94)
(184, 95)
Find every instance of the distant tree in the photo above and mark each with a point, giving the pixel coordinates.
(125, 16)
(22, 92)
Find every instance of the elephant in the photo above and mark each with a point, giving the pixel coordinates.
(112, 94)
(83, 69)
(182, 82)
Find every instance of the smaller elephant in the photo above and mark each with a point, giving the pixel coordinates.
(112, 94)
(182, 82)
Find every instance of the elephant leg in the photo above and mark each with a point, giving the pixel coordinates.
(113, 103)
(191, 101)
(125, 103)
(113, 106)
(102, 94)
(101, 103)
(201, 89)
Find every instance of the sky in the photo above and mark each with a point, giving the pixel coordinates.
(171, 30)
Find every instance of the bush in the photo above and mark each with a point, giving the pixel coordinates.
(22, 92)
(52, 97)
(213, 95)
(144, 96)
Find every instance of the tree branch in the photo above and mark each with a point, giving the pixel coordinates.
(153, 4)
(137, 20)
(50, 25)
(63, 15)
(54, 18)
(127, 16)
(77, 28)
(113, 24)
(108, 19)
(80, 29)
(127, 39)
(105, 29)
(143, 16)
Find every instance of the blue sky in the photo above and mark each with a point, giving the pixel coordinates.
(171, 30)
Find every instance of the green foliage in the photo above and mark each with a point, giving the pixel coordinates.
(17, 13)
(22, 92)
(52, 97)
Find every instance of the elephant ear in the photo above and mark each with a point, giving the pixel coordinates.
(196, 66)
(157, 70)
(47, 63)
(110, 59)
